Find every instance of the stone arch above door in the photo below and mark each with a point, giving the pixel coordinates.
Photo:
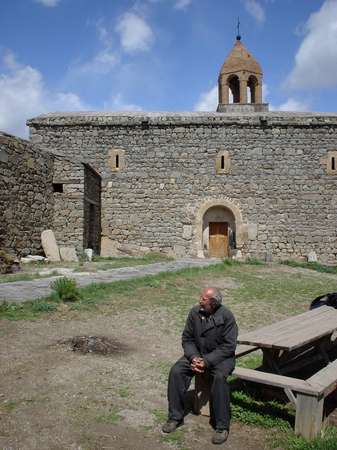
(228, 204)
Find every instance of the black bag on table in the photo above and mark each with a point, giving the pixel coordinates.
(325, 300)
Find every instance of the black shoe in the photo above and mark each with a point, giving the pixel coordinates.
(170, 426)
(220, 436)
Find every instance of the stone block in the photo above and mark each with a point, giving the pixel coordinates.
(252, 231)
(50, 246)
(108, 247)
(187, 231)
(312, 257)
(179, 251)
(68, 254)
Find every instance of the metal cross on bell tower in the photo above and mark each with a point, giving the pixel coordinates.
(238, 37)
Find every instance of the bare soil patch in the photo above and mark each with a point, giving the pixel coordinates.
(101, 345)
(52, 397)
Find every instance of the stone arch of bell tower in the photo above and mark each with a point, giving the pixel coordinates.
(240, 79)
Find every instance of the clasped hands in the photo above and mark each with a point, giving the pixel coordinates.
(198, 365)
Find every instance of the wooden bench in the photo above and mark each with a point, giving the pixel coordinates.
(309, 398)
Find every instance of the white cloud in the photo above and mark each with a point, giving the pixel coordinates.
(23, 95)
(48, 3)
(208, 101)
(255, 9)
(103, 61)
(292, 105)
(135, 33)
(118, 104)
(316, 59)
(182, 4)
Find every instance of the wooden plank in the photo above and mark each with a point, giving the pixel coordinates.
(242, 350)
(294, 333)
(275, 338)
(314, 332)
(279, 327)
(275, 380)
(285, 325)
(309, 415)
(325, 381)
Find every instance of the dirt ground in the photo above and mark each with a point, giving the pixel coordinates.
(54, 398)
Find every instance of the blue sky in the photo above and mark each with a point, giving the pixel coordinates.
(159, 55)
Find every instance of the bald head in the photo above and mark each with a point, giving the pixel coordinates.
(210, 299)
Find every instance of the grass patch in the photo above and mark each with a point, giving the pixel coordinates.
(11, 278)
(160, 415)
(8, 406)
(328, 441)
(112, 417)
(161, 368)
(28, 310)
(108, 263)
(266, 296)
(124, 391)
(313, 266)
(266, 414)
(255, 261)
(176, 439)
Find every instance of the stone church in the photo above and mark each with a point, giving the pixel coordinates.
(193, 184)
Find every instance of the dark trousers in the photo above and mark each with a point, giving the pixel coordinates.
(179, 381)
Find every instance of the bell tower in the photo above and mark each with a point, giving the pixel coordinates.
(240, 82)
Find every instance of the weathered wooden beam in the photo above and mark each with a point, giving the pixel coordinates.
(309, 415)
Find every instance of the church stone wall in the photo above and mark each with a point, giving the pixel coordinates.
(26, 195)
(277, 185)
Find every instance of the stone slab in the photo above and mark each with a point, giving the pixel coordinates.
(68, 254)
(50, 246)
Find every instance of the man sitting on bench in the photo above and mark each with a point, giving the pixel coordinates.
(209, 342)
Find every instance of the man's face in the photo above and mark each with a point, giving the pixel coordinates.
(205, 301)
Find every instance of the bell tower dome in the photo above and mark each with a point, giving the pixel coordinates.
(240, 76)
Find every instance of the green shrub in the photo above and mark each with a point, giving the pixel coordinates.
(66, 289)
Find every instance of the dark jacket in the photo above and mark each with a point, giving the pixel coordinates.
(213, 338)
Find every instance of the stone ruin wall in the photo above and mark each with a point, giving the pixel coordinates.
(29, 205)
(26, 195)
(92, 209)
(81, 187)
(277, 177)
(68, 213)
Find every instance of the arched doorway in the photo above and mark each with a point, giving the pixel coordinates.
(218, 232)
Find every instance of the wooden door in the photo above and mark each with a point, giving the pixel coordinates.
(218, 239)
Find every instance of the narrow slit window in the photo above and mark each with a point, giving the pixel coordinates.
(58, 187)
(222, 162)
(117, 161)
(333, 163)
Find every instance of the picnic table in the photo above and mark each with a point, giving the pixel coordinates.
(292, 345)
